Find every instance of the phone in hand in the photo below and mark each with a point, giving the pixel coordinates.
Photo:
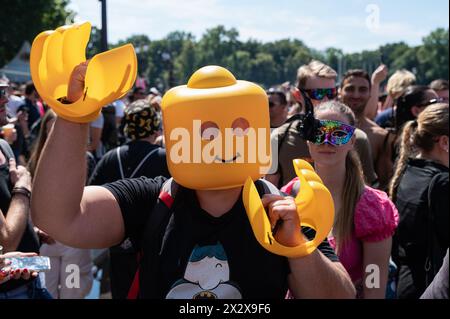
(35, 263)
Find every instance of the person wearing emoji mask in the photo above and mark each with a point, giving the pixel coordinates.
(213, 240)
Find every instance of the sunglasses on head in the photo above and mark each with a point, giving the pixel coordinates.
(319, 94)
(430, 102)
(333, 132)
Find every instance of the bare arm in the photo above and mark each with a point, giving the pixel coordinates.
(365, 154)
(317, 277)
(13, 226)
(378, 76)
(312, 276)
(81, 217)
(60, 205)
(376, 254)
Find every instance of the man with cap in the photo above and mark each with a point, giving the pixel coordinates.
(139, 157)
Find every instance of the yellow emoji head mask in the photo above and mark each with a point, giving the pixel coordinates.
(109, 76)
(216, 130)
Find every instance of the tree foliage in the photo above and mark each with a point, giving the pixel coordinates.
(276, 62)
(22, 20)
(170, 61)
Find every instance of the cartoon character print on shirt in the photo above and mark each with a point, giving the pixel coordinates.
(207, 276)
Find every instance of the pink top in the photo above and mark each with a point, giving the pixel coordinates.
(376, 219)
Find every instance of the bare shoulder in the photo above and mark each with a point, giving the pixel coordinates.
(376, 129)
(375, 133)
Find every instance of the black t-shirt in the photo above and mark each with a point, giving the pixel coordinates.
(29, 241)
(20, 145)
(203, 256)
(131, 155)
(123, 257)
(410, 246)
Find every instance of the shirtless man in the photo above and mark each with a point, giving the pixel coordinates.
(355, 92)
(318, 81)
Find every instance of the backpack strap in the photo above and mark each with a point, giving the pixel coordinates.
(133, 292)
(119, 160)
(265, 187)
(157, 226)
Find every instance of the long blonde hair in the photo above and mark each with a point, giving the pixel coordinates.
(353, 184)
(419, 135)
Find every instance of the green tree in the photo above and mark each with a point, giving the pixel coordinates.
(217, 45)
(334, 57)
(22, 20)
(302, 56)
(263, 69)
(239, 64)
(186, 62)
(406, 60)
(141, 44)
(286, 54)
(433, 56)
(390, 51)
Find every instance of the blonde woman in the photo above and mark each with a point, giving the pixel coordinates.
(365, 218)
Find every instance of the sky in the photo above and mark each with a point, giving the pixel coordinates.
(351, 25)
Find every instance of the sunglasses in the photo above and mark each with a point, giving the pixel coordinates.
(333, 132)
(432, 101)
(272, 104)
(319, 94)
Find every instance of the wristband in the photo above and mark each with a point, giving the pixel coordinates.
(21, 190)
(64, 100)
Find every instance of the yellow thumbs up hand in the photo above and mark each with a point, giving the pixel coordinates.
(314, 206)
(109, 75)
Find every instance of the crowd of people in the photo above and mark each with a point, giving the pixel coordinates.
(382, 152)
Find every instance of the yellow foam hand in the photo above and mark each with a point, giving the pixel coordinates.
(314, 206)
(109, 76)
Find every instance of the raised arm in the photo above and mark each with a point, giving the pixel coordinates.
(60, 205)
(378, 76)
